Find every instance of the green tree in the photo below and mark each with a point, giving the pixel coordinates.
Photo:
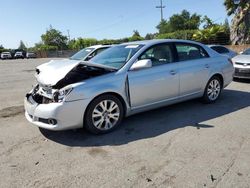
(54, 37)
(21, 46)
(81, 43)
(240, 26)
(164, 27)
(212, 35)
(207, 22)
(136, 36)
(150, 36)
(43, 47)
(182, 21)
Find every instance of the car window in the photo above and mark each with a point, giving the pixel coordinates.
(159, 54)
(82, 54)
(96, 52)
(116, 56)
(100, 50)
(190, 52)
(220, 49)
(246, 52)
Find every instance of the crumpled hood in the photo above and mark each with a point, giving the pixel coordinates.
(50, 73)
(242, 59)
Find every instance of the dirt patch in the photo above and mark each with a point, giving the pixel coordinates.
(97, 152)
(11, 111)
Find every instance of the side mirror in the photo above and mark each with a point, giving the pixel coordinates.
(141, 64)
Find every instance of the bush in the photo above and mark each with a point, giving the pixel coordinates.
(182, 34)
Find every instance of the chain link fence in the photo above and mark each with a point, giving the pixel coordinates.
(56, 53)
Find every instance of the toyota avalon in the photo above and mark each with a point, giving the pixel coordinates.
(123, 80)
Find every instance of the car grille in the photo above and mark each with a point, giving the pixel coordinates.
(245, 64)
(242, 72)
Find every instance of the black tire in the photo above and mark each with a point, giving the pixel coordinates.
(206, 97)
(88, 120)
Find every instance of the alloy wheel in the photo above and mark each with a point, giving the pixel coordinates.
(105, 115)
(213, 90)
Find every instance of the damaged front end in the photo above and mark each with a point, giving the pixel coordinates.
(45, 92)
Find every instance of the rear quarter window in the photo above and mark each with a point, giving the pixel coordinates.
(220, 49)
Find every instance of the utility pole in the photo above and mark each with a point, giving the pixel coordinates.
(68, 35)
(161, 7)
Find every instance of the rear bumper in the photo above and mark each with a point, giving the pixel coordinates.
(68, 115)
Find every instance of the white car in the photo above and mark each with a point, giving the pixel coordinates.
(30, 55)
(19, 55)
(6, 55)
(223, 50)
(88, 53)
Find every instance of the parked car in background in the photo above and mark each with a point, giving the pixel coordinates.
(19, 55)
(123, 80)
(6, 55)
(242, 65)
(87, 53)
(30, 55)
(223, 50)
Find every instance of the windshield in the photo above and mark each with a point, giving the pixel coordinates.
(116, 56)
(82, 54)
(246, 52)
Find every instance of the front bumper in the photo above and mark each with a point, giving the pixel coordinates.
(68, 115)
(242, 73)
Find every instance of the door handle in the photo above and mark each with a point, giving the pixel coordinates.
(207, 66)
(173, 72)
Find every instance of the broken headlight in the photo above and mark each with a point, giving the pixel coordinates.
(60, 95)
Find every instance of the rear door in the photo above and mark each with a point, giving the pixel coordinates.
(194, 67)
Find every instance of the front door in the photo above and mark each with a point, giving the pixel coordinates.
(158, 83)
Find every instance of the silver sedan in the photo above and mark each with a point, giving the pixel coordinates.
(124, 80)
(242, 65)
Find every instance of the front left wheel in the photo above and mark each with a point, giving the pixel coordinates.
(104, 114)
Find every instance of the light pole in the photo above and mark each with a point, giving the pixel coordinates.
(161, 7)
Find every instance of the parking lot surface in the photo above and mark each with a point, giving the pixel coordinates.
(184, 145)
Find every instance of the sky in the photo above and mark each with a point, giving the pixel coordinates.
(27, 20)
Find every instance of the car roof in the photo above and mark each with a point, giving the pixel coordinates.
(157, 41)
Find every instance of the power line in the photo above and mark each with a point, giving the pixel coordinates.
(161, 7)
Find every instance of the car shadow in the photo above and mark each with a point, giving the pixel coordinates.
(156, 122)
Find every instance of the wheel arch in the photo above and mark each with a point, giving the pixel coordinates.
(219, 76)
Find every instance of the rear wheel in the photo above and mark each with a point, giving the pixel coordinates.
(213, 90)
(104, 114)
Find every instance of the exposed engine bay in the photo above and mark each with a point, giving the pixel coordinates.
(44, 94)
